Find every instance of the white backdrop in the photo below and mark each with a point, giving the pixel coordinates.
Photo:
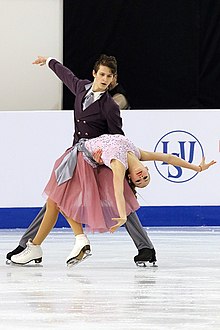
(29, 28)
(31, 141)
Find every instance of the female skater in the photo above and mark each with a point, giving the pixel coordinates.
(99, 198)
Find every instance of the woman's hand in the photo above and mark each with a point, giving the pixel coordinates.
(120, 222)
(97, 156)
(41, 60)
(203, 166)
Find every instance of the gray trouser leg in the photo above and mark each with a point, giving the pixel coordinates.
(33, 228)
(137, 232)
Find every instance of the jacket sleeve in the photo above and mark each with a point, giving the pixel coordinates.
(65, 75)
(114, 120)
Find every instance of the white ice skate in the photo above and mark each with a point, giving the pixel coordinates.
(80, 251)
(31, 253)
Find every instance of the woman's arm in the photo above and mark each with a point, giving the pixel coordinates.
(118, 170)
(174, 160)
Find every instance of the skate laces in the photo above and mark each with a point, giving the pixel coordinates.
(27, 250)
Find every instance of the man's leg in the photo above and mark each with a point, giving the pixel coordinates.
(140, 239)
(30, 233)
(137, 232)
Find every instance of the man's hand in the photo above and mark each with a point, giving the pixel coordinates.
(97, 156)
(41, 60)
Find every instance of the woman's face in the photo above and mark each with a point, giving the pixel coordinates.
(140, 177)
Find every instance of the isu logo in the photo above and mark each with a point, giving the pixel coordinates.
(181, 144)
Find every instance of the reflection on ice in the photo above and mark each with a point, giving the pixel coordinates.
(107, 291)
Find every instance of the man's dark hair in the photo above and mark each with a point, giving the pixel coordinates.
(109, 61)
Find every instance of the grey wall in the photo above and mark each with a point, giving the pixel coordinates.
(29, 28)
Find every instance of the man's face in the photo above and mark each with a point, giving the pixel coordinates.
(102, 79)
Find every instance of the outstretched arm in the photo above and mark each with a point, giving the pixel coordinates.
(118, 170)
(62, 72)
(176, 161)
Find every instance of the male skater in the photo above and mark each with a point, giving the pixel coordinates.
(95, 113)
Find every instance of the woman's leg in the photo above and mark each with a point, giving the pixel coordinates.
(48, 222)
(76, 227)
(33, 251)
(81, 249)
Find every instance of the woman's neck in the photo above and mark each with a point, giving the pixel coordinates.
(133, 161)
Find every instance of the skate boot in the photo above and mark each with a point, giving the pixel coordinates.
(80, 251)
(18, 249)
(145, 255)
(31, 253)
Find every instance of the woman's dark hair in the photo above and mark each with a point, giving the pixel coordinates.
(109, 61)
(131, 184)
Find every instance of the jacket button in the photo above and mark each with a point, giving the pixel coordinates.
(84, 122)
(86, 134)
(79, 133)
(77, 120)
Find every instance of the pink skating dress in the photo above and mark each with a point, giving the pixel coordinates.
(88, 197)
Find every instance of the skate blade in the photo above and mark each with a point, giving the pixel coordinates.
(145, 264)
(81, 257)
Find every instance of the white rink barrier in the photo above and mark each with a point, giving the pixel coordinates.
(30, 141)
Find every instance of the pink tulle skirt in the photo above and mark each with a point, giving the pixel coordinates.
(88, 197)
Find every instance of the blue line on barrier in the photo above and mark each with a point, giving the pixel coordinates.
(150, 216)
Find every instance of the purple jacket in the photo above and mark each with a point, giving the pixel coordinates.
(101, 117)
